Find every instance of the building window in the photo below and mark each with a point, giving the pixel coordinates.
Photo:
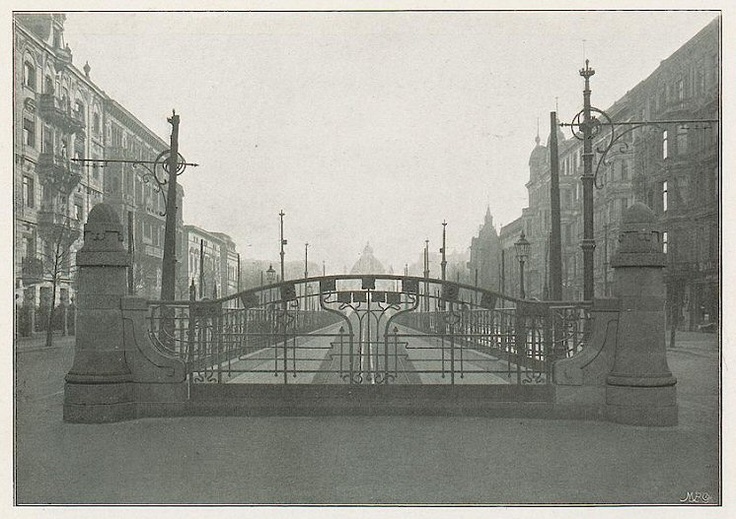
(665, 196)
(147, 232)
(29, 75)
(78, 214)
(664, 242)
(699, 82)
(664, 144)
(48, 140)
(681, 140)
(680, 91)
(28, 191)
(29, 132)
(95, 170)
(48, 85)
(96, 124)
(624, 170)
(79, 110)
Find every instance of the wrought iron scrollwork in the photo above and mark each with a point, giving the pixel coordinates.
(603, 122)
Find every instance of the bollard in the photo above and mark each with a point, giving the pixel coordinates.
(640, 389)
(99, 385)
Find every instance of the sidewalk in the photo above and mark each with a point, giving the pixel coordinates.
(694, 342)
(38, 342)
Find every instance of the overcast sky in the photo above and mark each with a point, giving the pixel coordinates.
(363, 126)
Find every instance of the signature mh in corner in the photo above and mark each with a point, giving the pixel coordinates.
(697, 497)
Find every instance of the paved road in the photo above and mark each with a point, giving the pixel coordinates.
(376, 459)
(325, 358)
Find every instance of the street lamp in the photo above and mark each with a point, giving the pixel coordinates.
(522, 253)
(588, 125)
(270, 277)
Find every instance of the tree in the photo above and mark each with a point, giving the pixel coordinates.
(57, 260)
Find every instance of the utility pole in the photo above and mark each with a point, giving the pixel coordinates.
(426, 275)
(201, 268)
(306, 260)
(555, 243)
(283, 242)
(588, 243)
(442, 250)
(168, 271)
(306, 275)
(237, 301)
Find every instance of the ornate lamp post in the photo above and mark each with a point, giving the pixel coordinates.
(593, 124)
(522, 253)
(270, 277)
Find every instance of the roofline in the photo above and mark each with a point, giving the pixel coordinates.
(125, 113)
(46, 47)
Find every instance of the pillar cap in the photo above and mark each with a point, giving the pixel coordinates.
(103, 239)
(640, 239)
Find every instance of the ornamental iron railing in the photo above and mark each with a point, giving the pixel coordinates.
(369, 330)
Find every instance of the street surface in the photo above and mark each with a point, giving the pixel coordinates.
(356, 459)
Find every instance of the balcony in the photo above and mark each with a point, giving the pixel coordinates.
(60, 113)
(55, 227)
(116, 152)
(58, 172)
(153, 251)
(676, 108)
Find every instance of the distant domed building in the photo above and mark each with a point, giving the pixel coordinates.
(367, 263)
(485, 255)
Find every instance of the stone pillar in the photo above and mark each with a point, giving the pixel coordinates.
(640, 389)
(99, 385)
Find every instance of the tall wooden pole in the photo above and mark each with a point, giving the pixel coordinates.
(555, 243)
(168, 271)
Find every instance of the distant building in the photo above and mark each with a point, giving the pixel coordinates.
(485, 252)
(508, 265)
(208, 262)
(674, 168)
(229, 265)
(367, 263)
